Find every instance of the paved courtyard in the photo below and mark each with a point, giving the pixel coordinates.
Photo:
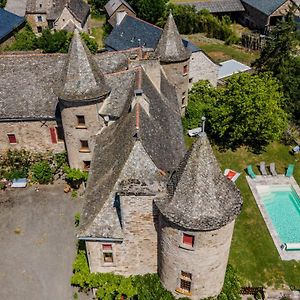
(37, 243)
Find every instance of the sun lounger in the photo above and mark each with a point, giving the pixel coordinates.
(290, 246)
(231, 174)
(272, 169)
(250, 171)
(262, 167)
(296, 149)
(290, 170)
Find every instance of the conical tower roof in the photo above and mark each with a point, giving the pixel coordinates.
(200, 197)
(81, 81)
(170, 47)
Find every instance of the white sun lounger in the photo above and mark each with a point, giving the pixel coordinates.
(272, 169)
(262, 168)
(291, 246)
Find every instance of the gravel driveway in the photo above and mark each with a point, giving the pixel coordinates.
(37, 243)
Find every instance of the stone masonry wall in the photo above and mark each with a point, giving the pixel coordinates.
(31, 135)
(32, 19)
(74, 133)
(202, 68)
(206, 261)
(137, 254)
(64, 19)
(180, 79)
(121, 8)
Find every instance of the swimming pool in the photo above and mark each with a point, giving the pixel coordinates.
(282, 204)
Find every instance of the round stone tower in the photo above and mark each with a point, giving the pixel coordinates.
(174, 59)
(82, 90)
(196, 224)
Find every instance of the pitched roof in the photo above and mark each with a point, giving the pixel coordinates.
(55, 11)
(41, 6)
(217, 6)
(79, 8)
(265, 6)
(8, 23)
(200, 197)
(160, 135)
(112, 5)
(133, 32)
(170, 47)
(81, 78)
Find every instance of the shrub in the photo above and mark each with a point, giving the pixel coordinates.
(2, 186)
(77, 219)
(25, 40)
(90, 43)
(16, 173)
(42, 172)
(75, 176)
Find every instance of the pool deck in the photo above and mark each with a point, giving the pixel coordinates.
(273, 180)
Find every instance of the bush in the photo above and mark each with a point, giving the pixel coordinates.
(90, 43)
(42, 172)
(75, 177)
(77, 219)
(2, 3)
(15, 174)
(25, 40)
(2, 186)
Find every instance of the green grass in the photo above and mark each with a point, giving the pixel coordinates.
(97, 23)
(219, 52)
(253, 253)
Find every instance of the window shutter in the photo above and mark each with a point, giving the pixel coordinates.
(53, 135)
(12, 138)
(188, 239)
(107, 246)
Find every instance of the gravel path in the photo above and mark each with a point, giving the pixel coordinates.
(37, 243)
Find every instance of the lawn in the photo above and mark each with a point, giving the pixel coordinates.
(97, 29)
(220, 52)
(253, 253)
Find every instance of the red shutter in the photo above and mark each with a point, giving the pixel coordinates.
(188, 239)
(107, 247)
(12, 138)
(53, 135)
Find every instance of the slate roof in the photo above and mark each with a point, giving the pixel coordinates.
(81, 78)
(8, 23)
(133, 32)
(199, 196)
(35, 76)
(79, 9)
(217, 6)
(56, 10)
(160, 135)
(170, 47)
(230, 67)
(40, 6)
(265, 6)
(112, 5)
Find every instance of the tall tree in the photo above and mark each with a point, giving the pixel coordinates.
(247, 111)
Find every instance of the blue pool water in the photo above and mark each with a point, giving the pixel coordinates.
(283, 207)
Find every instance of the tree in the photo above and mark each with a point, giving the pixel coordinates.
(247, 111)
(25, 40)
(279, 57)
(2, 3)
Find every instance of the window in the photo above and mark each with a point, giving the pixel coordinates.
(39, 18)
(185, 69)
(191, 80)
(186, 281)
(107, 253)
(40, 5)
(59, 133)
(39, 29)
(12, 138)
(80, 122)
(53, 135)
(188, 240)
(86, 164)
(84, 146)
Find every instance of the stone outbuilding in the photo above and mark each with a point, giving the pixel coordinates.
(196, 224)
(58, 15)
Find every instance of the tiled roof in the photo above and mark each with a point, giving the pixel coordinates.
(8, 23)
(133, 32)
(81, 78)
(200, 197)
(79, 8)
(112, 5)
(56, 10)
(170, 47)
(41, 6)
(217, 6)
(161, 147)
(265, 6)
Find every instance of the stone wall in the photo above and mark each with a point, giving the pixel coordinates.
(180, 79)
(64, 19)
(203, 68)
(74, 133)
(30, 135)
(137, 254)
(32, 19)
(206, 261)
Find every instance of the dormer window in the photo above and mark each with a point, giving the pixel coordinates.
(107, 251)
